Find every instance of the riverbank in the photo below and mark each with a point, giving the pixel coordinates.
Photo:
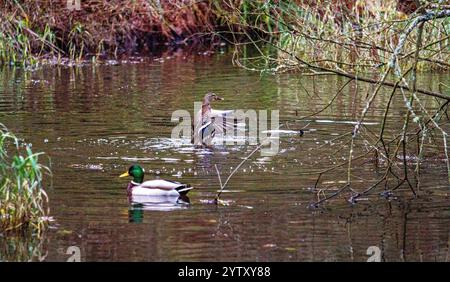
(32, 31)
(61, 31)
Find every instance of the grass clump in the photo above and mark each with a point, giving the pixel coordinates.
(23, 201)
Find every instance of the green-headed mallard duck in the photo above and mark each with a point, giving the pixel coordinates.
(157, 187)
(208, 121)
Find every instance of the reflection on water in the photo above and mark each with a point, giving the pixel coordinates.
(94, 121)
(23, 247)
(159, 203)
(139, 204)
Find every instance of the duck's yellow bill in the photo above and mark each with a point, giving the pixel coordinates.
(125, 174)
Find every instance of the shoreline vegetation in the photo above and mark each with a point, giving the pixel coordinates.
(33, 31)
(347, 34)
(23, 200)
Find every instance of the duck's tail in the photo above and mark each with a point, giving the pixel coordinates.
(184, 189)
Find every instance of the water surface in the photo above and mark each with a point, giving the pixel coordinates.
(94, 121)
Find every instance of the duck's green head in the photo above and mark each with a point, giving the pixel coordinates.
(136, 171)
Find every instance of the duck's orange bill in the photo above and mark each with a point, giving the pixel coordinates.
(125, 174)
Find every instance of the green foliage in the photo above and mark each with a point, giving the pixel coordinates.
(18, 41)
(23, 201)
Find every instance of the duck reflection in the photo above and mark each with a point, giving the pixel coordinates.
(139, 204)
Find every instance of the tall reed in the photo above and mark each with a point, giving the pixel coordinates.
(23, 201)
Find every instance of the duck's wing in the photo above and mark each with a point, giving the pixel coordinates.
(223, 120)
(207, 133)
(203, 133)
(221, 113)
(166, 185)
(215, 125)
(161, 184)
(204, 129)
(212, 122)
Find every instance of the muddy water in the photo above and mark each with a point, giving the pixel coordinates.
(93, 122)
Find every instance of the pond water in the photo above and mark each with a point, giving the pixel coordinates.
(95, 121)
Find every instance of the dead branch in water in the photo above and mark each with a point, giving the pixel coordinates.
(222, 186)
(307, 39)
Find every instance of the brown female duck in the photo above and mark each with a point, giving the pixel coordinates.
(208, 121)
